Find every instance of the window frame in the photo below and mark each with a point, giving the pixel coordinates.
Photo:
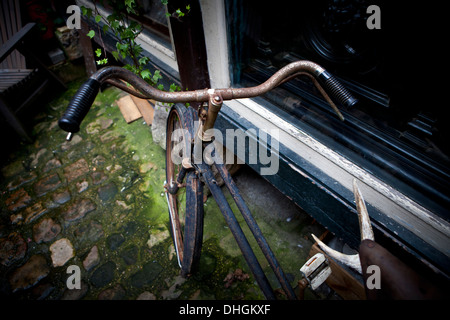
(394, 214)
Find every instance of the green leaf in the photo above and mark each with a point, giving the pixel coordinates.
(165, 2)
(114, 24)
(122, 47)
(86, 11)
(145, 74)
(129, 3)
(98, 52)
(134, 25)
(91, 34)
(98, 18)
(132, 68)
(156, 76)
(127, 33)
(143, 61)
(103, 61)
(179, 12)
(130, 6)
(115, 55)
(137, 50)
(174, 87)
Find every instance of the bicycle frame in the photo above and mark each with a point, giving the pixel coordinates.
(83, 99)
(205, 170)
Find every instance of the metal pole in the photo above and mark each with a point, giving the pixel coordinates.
(237, 232)
(253, 226)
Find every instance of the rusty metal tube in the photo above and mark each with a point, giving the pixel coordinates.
(275, 80)
(82, 100)
(256, 231)
(146, 90)
(203, 95)
(237, 232)
(214, 105)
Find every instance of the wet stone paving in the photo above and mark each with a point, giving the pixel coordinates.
(95, 207)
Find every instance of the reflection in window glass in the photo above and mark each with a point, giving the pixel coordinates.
(153, 17)
(390, 126)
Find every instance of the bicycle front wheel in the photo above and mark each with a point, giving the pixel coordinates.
(185, 201)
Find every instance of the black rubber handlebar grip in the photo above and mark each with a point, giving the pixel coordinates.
(337, 90)
(79, 106)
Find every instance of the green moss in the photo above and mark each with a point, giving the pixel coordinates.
(290, 249)
(208, 281)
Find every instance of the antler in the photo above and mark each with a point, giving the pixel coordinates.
(363, 215)
(366, 233)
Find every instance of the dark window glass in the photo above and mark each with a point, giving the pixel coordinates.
(394, 131)
(152, 15)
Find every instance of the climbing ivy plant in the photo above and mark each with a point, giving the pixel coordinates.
(126, 31)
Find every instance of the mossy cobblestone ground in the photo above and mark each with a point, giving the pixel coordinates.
(98, 203)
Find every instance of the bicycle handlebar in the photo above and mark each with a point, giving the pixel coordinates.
(337, 89)
(79, 106)
(82, 100)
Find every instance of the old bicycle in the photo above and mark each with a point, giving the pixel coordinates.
(186, 142)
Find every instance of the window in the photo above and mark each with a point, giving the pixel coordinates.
(155, 39)
(391, 131)
(153, 18)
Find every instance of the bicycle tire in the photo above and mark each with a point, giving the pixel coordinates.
(186, 205)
